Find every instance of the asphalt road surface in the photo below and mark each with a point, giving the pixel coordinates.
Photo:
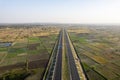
(73, 70)
(57, 72)
(58, 67)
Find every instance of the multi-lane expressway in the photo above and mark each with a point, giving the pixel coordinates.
(54, 70)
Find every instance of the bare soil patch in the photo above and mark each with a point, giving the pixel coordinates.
(33, 46)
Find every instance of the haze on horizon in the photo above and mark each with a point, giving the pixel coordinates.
(60, 11)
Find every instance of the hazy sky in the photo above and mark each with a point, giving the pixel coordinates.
(60, 11)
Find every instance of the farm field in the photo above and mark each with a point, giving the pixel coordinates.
(30, 52)
(23, 46)
(98, 48)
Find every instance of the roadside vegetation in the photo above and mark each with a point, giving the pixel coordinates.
(65, 67)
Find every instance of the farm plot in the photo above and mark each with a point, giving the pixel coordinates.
(30, 46)
(97, 53)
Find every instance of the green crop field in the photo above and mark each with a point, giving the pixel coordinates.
(33, 45)
(97, 51)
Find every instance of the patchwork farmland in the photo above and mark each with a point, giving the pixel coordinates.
(59, 52)
(98, 48)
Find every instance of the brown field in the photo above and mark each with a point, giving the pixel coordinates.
(33, 44)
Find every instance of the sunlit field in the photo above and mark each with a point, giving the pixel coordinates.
(99, 50)
(26, 47)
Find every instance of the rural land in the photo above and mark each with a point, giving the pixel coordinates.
(59, 52)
